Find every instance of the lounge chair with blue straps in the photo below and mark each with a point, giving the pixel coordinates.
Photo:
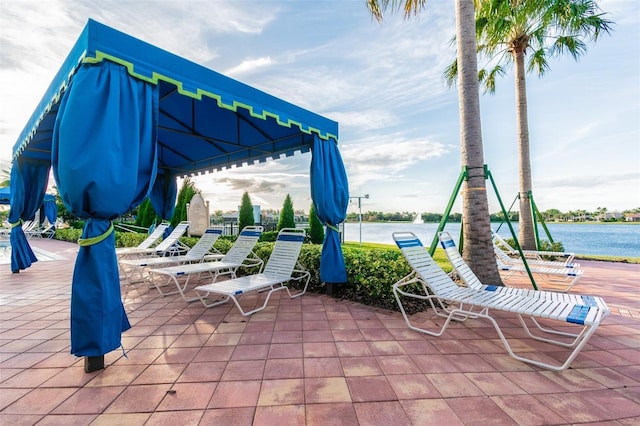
(195, 254)
(30, 229)
(470, 279)
(428, 282)
(559, 277)
(145, 247)
(239, 255)
(560, 259)
(48, 231)
(281, 268)
(170, 246)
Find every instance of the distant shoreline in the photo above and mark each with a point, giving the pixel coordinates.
(546, 223)
(595, 241)
(595, 258)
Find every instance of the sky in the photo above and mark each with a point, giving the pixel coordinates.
(398, 120)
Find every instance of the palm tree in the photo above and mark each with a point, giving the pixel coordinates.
(509, 30)
(478, 248)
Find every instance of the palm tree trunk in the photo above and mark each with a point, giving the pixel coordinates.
(478, 249)
(526, 235)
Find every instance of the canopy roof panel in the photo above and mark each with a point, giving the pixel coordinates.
(207, 121)
(5, 196)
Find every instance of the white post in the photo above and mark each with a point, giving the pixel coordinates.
(360, 197)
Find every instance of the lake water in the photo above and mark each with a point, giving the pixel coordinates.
(592, 239)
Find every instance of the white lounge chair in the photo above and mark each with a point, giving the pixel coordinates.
(48, 231)
(30, 229)
(144, 248)
(453, 302)
(171, 245)
(564, 258)
(239, 255)
(194, 254)
(470, 279)
(279, 270)
(511, 259)
(561, 278)
(167, 247)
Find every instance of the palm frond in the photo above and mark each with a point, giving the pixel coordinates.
(566, 44)
(489, 79)
(410, 7)
(538, 62)
(376, 8)
(539, 28)
(413, 7)
(450, 74)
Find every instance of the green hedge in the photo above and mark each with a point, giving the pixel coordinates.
(371, 272)
(123, 239)
(68, 234)
(545, 245)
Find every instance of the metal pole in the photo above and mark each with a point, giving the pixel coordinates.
(360, 218)
(513, 233)
(447, 211)
(360, 197)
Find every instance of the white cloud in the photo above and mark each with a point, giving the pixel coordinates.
(364, 120)
(249, 65)
(387, 158)
(382, 83)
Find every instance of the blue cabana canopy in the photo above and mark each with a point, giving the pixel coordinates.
(206, 121)
(119, 122)
(5, 197)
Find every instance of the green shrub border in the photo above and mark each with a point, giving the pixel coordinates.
(371, 272)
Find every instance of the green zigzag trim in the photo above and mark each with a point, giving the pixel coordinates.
(157, 77)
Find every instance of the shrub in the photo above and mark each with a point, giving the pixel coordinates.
(316, 230)
(68, 234)
(146, 215)
(222, 244)
(77, 224)
(129, 239)
(187, 191)
(371, 273)
(286, 215)
(545, 245)
(269, 236)
(245, 215)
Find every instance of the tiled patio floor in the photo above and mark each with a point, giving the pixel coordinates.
(313, 360)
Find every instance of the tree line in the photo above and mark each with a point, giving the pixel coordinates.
(145, 216)
(601, 214)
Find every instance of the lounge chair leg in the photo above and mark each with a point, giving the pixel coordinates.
(93, 363)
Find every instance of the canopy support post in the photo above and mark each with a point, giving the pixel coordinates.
(445, 217)
(93, 363)
(487, 176)
(513, 232)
